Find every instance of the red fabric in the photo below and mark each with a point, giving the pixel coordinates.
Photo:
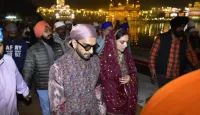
(179, 97)
(40, 27)
(119, 99)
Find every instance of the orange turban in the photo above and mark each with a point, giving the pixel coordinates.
(39, 28)
(179, 97)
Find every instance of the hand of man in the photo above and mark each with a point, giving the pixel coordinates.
(28, 97)
(153, 78)
(125, 80)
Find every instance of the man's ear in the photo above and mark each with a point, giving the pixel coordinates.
(74, 44)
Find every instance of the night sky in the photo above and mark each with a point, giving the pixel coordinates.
(95, 4)
(29, 6)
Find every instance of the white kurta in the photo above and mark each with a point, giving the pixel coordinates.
(11, 82)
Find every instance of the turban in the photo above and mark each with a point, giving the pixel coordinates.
(106, 25)
(178, 21)
(40, 27)
(11, 27)
(193, 30)
(125, 26)
(1, 35)
(83, 31)
(179, 97)
(95, 24)
(68, 22)
(59, 24)
(191, 24)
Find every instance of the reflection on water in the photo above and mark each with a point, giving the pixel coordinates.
(143, 34)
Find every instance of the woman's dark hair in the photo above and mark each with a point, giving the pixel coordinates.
(121, 32)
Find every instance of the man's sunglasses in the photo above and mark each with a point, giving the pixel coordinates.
(87, 47)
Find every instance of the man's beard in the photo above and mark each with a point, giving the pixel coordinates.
(83, 56)
(62, 35)
(69, 27)
(179, 33)
(12, 37)
(194, 36)
(49, 41)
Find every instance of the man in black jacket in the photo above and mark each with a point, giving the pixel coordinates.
(169, 53)
(38, 61)
(61, 38)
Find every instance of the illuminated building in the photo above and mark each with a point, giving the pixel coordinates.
(60, 2)
(64, 12)
(194, 11)
(162, 13)
(58, 11)
(121, 11)
(172, 12)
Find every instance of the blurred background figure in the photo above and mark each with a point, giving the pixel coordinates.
(29, 35)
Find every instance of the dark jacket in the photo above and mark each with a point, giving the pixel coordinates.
(17, 49)
(60, 45)
(37, 65)
(164, 51)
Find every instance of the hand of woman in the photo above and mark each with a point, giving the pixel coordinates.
(125, 80)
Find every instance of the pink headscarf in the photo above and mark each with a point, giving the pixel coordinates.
(83, 31)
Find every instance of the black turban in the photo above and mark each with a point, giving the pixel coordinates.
(178, 21)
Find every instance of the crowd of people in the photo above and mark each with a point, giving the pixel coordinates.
(88, 69)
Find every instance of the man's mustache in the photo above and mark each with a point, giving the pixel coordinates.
(49, 36)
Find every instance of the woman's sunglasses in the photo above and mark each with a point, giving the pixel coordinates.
(87, 47)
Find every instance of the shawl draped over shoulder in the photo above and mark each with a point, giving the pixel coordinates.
(119, 99)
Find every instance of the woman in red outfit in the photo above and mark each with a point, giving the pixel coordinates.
(118, 75)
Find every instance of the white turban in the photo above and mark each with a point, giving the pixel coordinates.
(68, 22)
(59, 24)
(95, 24)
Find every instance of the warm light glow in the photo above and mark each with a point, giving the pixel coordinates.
(187, 9)
(73, 16)
(62, 11)
(57, 16)
(60, 2)
(186, 14)
(119, 4)
(189, 5)
(173, 14)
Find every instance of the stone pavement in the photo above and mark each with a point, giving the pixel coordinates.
(146, 89)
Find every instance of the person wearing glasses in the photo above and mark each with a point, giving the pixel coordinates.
(38, 61)
(73, 77)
